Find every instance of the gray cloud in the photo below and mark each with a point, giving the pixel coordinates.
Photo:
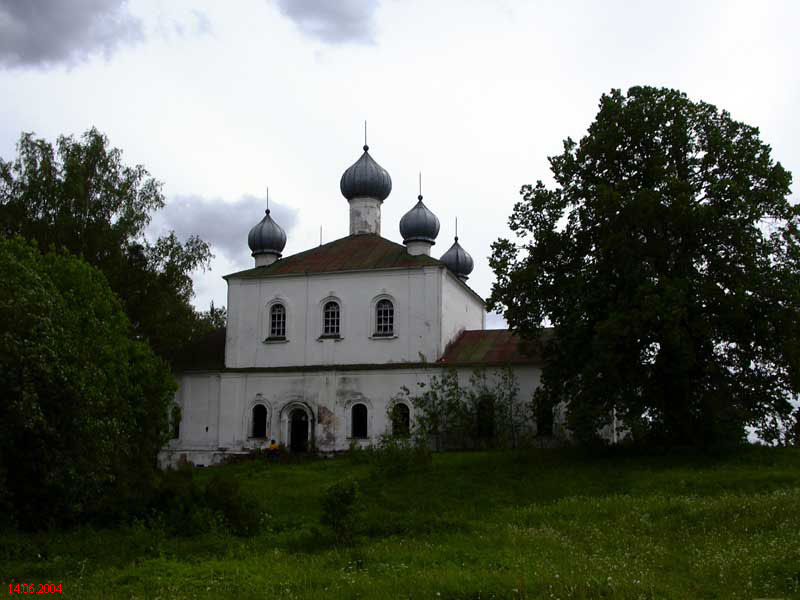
(46, 32)
(224, 225)
(335, 22)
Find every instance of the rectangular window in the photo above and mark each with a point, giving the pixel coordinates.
(277, 321)
(384, 318)
(330, 319)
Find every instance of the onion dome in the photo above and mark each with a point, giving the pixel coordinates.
(366, 179)
(266, 237)
(419, 224)
(458, 260)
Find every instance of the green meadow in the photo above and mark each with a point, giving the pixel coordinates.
(527, 524)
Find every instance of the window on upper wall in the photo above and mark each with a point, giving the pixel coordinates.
(384, 318)
(330, 319)
(277, 322)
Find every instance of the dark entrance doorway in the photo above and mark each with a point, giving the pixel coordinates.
(298, 430)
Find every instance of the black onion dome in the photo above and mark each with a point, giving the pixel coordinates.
(366, 179)
(458, 260)
(266, 237)
(419, 224)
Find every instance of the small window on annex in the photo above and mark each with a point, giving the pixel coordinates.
(359, 423)
(175, 421)
(330, 319)
(384, 318)
(259, 421)
(401, 420)
(277, 322)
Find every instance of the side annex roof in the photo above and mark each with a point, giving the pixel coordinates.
(492, 347)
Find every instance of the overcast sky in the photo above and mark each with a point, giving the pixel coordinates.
(221, 99)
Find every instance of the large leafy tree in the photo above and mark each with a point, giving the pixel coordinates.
(83, 404)
(666, 259)
(82, 197)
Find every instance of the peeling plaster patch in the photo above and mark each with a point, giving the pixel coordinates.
(327, 419)
(347, 391)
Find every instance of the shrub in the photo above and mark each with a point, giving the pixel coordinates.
(397, 456)
(340, 509)
(224, 495)
(392, 456)
(179, 505)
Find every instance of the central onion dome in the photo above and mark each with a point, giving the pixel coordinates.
(366, 179)
(458, 261)
(267, 237)
(419, 224)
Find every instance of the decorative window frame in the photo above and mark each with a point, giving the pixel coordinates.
(373, 318)
(268, 339)
(259, 400)
(321, 325)
(348, 413)
(390, 408)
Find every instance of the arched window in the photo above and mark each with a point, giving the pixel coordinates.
(401, 420)
(486, 418)
(259, 421)
(330, 319)
(175, 421)
(277, 321)
(359, 424)
(384, 318)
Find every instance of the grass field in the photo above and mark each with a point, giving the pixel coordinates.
(534, 524)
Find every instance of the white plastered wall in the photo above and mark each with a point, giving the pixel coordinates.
(223, 403)
(460, 309)
(414, 293)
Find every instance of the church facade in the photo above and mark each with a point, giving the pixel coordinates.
(319, 344)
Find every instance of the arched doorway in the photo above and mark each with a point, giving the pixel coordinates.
(298, 430)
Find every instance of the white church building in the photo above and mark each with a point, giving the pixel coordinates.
(319, 344)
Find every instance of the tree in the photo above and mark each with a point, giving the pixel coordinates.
(82, 197)
(486, 412)
(83, 404)
(666, 259)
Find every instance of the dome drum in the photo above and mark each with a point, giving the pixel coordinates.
(366, 185)
(267, 240)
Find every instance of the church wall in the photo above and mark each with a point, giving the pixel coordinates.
(414, 293)
(460, 309)
(528, 378)
(224, 403)
(198, 396)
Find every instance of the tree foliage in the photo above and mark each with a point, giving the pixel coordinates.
(80, 196)
(666, 259)
(83, 404)
(486, 412)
